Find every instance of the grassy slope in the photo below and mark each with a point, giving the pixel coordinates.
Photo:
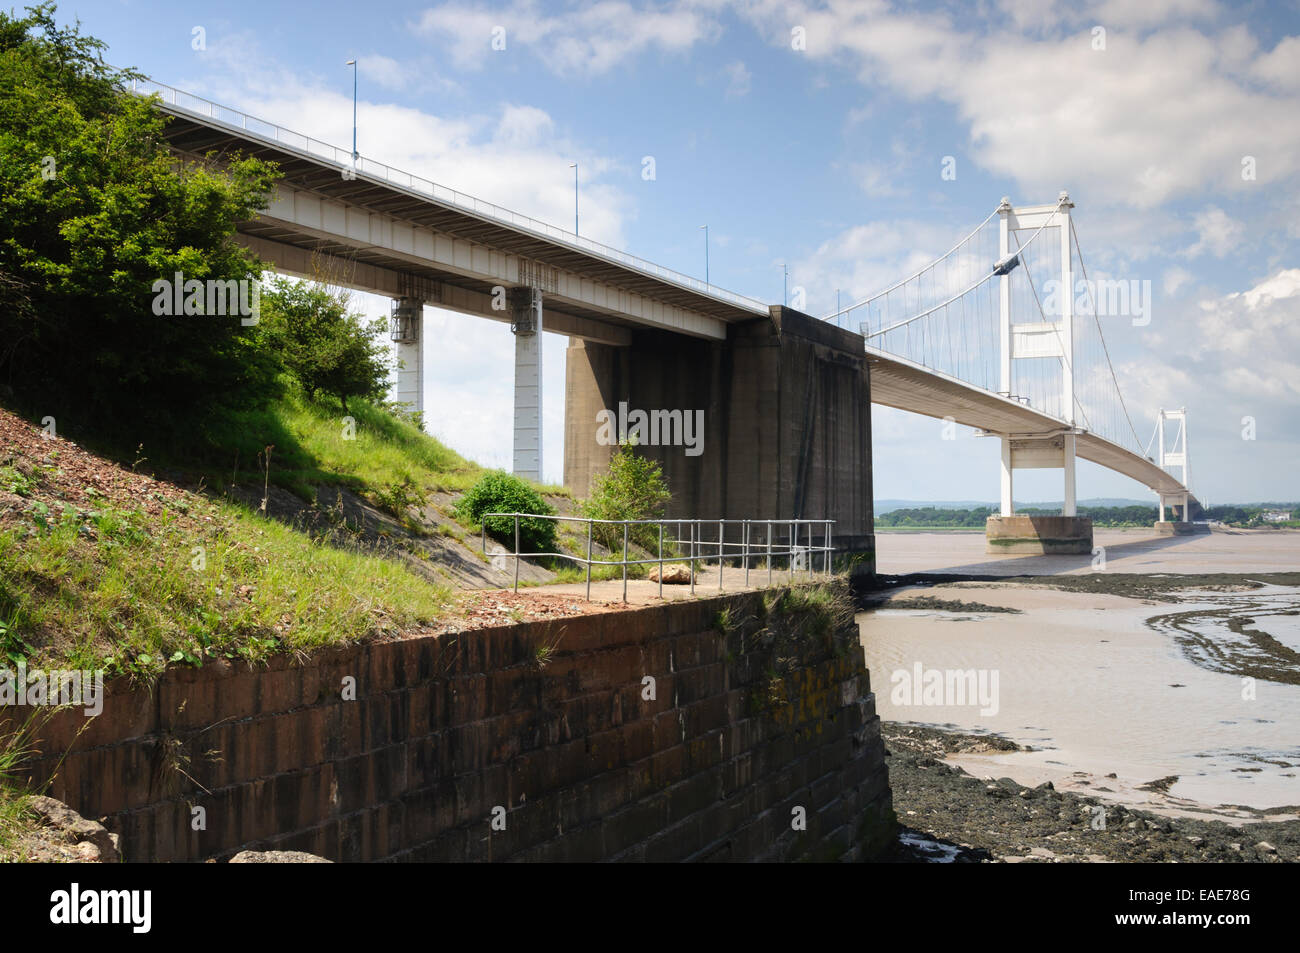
(104, 567)
(310, 449)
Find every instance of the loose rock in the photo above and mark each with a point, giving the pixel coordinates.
(674, 574)
(102, 847)
(277, 857)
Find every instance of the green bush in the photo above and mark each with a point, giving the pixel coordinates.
(501, 492)
(632, 489)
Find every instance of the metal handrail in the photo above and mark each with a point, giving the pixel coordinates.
(719, 550)
(421, 187)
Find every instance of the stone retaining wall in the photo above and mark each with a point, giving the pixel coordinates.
(525, 742)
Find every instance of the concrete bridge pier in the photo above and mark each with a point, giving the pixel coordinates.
(772, 423)
(1009, 533)
(1038, 535)
(406, 328)
(526, 323)
(1176, 504)
(1179, 522)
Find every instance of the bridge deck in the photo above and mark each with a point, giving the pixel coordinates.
(899, 383)
(597, 285)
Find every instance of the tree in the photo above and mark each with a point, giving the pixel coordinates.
(94, 210)
(633, 488)
(323, 345)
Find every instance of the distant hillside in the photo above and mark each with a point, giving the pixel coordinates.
(888, 506)
(939, 517)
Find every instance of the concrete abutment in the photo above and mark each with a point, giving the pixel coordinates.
(784, 405)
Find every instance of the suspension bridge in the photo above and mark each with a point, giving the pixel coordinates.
(1003, 333)
(989, 335)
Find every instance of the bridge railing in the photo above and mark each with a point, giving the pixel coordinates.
(184, 102)
(691, 544)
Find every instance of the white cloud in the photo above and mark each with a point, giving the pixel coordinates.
(524, 125)
(879, 179)
(1217, 233)
(1044, 15)
(1285, 284)
(864, 259)
(1226, 358)
(884, 177)
(1281, 66)
(1232, 355)
(1031, 14)
(590, 38)
(1152, 12)
(1156, 115)
(738, 80)
(383, 71)
(1175, 278)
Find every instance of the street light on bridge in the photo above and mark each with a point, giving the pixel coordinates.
(574, 167)
(353, 64)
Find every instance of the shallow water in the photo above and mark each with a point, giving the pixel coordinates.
(1103, 684)
(1246, 634)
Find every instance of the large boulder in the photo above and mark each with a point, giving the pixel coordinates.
(674, 574)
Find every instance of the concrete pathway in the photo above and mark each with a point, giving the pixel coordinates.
(645, 592)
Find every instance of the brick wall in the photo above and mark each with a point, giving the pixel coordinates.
(545, 722)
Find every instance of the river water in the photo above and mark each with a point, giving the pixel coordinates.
(1206, 690)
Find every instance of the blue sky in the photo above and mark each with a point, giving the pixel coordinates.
(828, 159)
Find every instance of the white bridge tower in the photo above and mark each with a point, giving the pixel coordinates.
(1173, 453)
(1044, 339)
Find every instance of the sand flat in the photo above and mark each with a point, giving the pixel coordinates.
(1086, 682)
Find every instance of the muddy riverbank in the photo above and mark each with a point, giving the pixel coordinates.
(950, 816)
(1171, 698)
